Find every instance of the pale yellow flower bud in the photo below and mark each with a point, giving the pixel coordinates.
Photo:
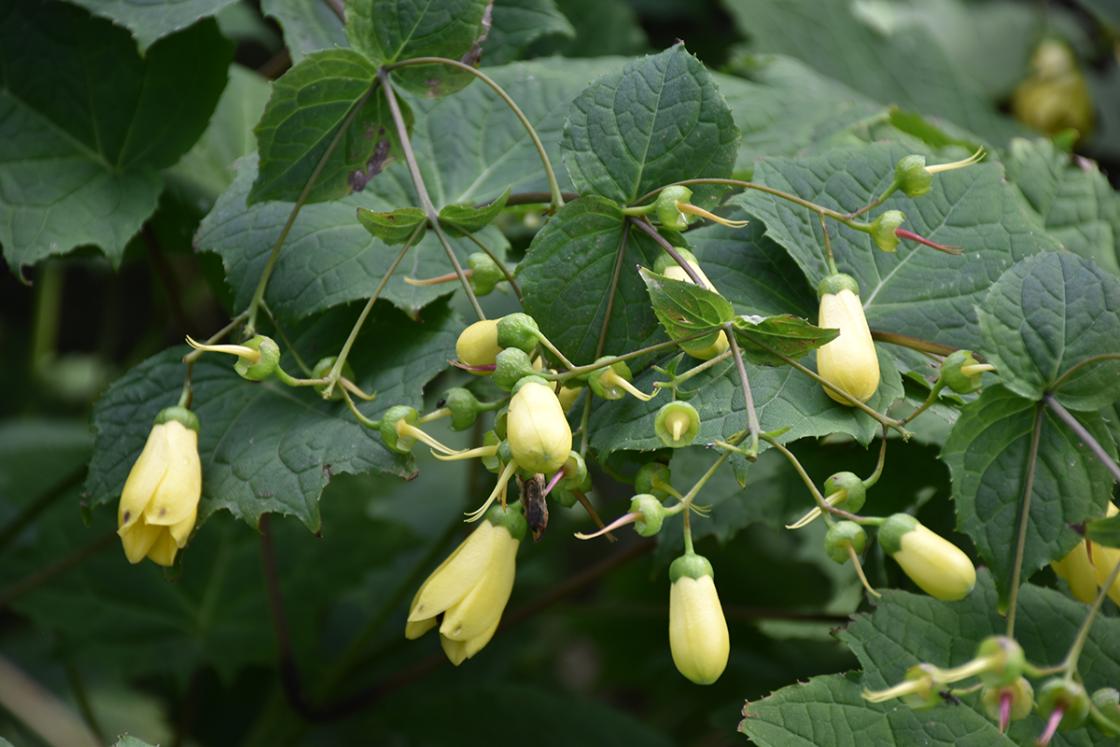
(478, 344)
(849, 361)
(159, 502)
(1104, 560)
(698, 637)
(1078, 571)
(932, 562)
(539, 436)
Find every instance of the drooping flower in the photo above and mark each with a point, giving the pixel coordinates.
(848, 362)
(698, 637)
(159, 502)
(932, 562)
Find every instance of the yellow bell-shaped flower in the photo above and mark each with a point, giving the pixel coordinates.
(1077, 570)
(467, 593)
(849, 361)
(159, 503)
(698, 637)
(936, 565)
(537, 429)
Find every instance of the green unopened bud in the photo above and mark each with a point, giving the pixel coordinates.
(912, 177)
(1018, 696)
(841, 536)
(849, 486)
(690, 565)
(604, 382)
(265, 365)
(464, 408)
(883, 230)
(959, 372)
(323, 368)
(1107, 702)
(390, 434)
(180, 415)
(512, 365)
(518, 331)
(677, 424)
(485, 273)
(1005, 659)
(650, 476)
(668, 213)
(1067, 695)
(651, 514)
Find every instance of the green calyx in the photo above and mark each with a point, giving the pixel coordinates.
(833, 284)
(390, 435)
(666, 260)
(491, 463)
(651, 516)
(650, 477)
(511, 518)
(912, 177)
(464, 407)
(677, 424)
(1018, 691)
(526, 380)
(510, 367)
(891, 531)
(926, 693)
(323, 368)
(1067, 695)
(518, 331)
(690, 565)
(666, 210)
(883, 230)
(265, 366)
(841, 536)
(602, 381)
(180, 415)
(485, 273)
(1106, 700)
(576, 476)
(850, 485)
(954, 377)
(1006, 658)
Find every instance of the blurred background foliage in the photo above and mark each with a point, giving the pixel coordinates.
(193, 658)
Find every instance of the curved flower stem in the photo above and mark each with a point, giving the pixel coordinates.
(362, 419)
(1024, 522)
(931, 398)
(829, 259)
(914, 343)
(553, 185)
(753, 427)
(1083, 434)
(824, 505)
(879, 465)
(859, 572)
(563, 359)
(270, 265)
(612, 359)
(876, 202)
(422, 190)
(336, 370)
(501, 265)
(646, 227)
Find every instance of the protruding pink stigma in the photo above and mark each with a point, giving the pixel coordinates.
(902, 233)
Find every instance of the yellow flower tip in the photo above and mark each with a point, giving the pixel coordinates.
(687, 207)
(963, 163)
(849, 362)
(698, 637)
(244, 352)
(415, 629)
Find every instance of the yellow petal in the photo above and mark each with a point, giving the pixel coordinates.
(478, 344)
(935, 564)
(457, 575)
(413, 630)
(144, 477)
(164, 550)
(1104, 560)
(849, 361)
(698, 637)
(176, 497)
(1078, 571)
(137, 539)
(482, 607)
(459, 651)
(181, 532)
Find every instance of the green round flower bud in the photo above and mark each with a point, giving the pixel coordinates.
(653, 472)
(677, 424)
(518, 331)
(1065, 694)
(851, 487)
(841, 536)
(652, 514)
(666, 210)
(512, 517)
(927, 695)
(912, 177)
(603, 381)
(463, 406)
(1019, 691)
(512, 365)
(180, 415)
(883, 230)
(1007, 660)
(265, 365)
(1107, 702)
(388, 430)
(954, 377)
(690, 565)
(323, 368)
(485, 273)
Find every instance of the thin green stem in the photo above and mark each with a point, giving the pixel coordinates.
(557, 197)
(686, 524)
(501, 265)
(825, 506)
(1084, 435)
(1081, 364)
(1024, 522)
(422, 189)
(701, 368)
(931, 398)
(829, 259)
(646, 227)
(336, 370)
(612, 359)
(362, 419)
(547, 344)
(584, 422)
(1070, 663)
(876, 202)
(913, 343)
(274, 255)
(753, 427)
(879, 465)
(288, 346)
(287, 379)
